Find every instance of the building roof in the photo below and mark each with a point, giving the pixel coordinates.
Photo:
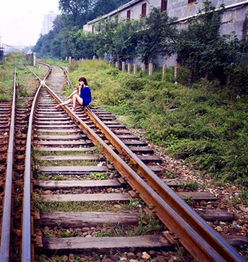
(116, 11)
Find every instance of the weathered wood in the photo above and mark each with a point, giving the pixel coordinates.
(70, 158)
(54, 127)
(197, 195)
(63, 143)
(57, 137)
(80, 219)
(53, 122)
(80, 244)
(122, 132)
(134, 142)
(150, 158)
(70, 131)
(215, 214)
(62, 184)
(237, 241)
(139, 149)
(128, 137)
(157, 169)
(50, 119)
(73, 169)
(86, 197)
(60, 149)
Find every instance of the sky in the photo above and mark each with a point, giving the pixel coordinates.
(21, 20)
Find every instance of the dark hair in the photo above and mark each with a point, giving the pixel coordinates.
(83, 79)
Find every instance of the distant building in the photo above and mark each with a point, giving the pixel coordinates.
(235, 15)
(48, 22)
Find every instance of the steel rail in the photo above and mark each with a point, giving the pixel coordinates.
(180, 219)
(195, 223)
(7, 204)
(26, 255)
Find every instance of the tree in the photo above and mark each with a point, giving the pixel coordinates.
(158, 36)
(77, 10)
(202, 49)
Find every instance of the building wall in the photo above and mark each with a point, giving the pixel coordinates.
(236, 17)
(48, 22)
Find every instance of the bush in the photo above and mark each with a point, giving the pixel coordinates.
(238, 79)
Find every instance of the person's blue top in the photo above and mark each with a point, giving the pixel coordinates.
(86, 95)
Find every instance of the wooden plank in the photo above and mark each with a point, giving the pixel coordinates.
(81, 244)
(57, 137)
(215, 214)
(122, 132)
(63, 143)
(86, 197)
(70, 158)
(55, 119)
(54, 127)
(60, 149)
(115, 126)
(150, 158)
(134, 142)
(73, 169)
(139, 149)
(81, 219)
(197, 195)
(156, 168)
(52, 122)
(76, 184)
(128, 137)
(237, 241)
(70, 131)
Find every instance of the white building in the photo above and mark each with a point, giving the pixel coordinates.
(48, 22)
(236, 14)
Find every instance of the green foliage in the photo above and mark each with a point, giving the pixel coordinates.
(99, 176)
(204, 124)
(157, 36)
(203, 50)
(67, 38)
(238, 79)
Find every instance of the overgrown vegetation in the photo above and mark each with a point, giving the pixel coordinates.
(204, 124)
(7, 67)
(201, 49)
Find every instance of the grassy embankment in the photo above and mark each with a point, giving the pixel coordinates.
(25, 78)
(201, 124)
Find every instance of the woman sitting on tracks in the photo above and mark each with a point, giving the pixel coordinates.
(81, 95)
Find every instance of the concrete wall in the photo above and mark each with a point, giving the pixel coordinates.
(180, 9)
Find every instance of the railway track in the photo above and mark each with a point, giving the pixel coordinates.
(91, 187)
(14, 125)
(7, 126)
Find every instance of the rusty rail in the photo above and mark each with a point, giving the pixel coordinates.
(6, 218)
(26, 216)
(195, 234)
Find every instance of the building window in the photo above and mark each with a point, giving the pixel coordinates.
(191, 1)
(128, 14)
(143, 10)
(93, 29)
(163, 5)
(116, 19)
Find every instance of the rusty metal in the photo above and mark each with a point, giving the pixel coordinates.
(198, 238)
(6, 218)
(26, 216)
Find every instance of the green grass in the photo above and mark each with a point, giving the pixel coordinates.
(99, 176)
(25, 79)
(78, 206)
(203, 124)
